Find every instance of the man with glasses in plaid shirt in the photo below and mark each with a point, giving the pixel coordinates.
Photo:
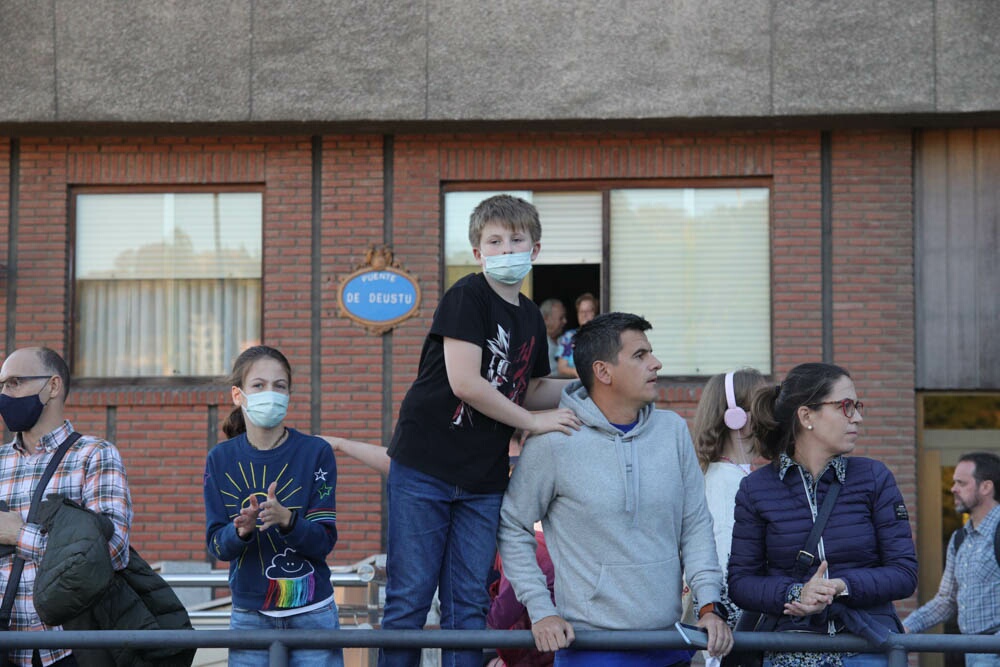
(34, 383)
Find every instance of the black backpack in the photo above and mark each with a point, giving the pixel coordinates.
(959, 536)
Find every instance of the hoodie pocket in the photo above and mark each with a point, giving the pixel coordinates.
(644, 596)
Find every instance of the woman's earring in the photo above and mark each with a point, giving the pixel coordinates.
(810, 427)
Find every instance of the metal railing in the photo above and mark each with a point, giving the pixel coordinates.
(370, 574)
(278, 643)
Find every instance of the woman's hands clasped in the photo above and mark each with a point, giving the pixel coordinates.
(817, 594)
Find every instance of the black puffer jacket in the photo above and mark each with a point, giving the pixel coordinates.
(77, 588)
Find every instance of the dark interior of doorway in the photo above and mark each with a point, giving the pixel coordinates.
(566, 282)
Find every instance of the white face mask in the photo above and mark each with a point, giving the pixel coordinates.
(508, 269)
(265, 409)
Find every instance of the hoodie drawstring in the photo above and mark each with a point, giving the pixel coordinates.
(627, 457)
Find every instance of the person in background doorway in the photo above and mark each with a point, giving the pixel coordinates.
(271, 512)
(724, 444)
(970, 584)
(586, 309)
(554, 314)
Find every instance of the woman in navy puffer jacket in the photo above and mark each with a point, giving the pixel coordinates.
(865, 561)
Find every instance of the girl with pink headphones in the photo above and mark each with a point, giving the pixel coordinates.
(725, 450)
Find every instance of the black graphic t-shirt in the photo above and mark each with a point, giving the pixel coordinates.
(442, 436)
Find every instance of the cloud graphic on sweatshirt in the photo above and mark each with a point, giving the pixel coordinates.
(288, 565)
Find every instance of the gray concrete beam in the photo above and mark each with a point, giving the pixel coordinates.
(968, 62)
(552, 60)
(27, 61)
(299, 61)
(162, 60)
(339, 60)
(853, 56)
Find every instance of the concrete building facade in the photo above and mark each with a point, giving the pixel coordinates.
(873, 130)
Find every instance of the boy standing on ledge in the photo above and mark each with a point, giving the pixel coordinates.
(481, 376)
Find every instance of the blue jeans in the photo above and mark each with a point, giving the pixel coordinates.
(325, 618)
(860, 660)
(982, 660)
(440, 536)
(567, 657)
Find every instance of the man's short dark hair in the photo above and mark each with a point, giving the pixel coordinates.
(987, 468)
(601, 340)
(55, 364)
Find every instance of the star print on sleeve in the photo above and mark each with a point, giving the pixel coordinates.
(320, 475)
(325, 490)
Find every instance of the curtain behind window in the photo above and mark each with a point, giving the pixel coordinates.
(166, 284)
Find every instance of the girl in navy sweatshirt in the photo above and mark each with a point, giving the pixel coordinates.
(269, 501)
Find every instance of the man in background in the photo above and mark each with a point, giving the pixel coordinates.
(970, 584)
(554, 314)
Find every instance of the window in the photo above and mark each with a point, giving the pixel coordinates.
(166, 284)
(694, 261)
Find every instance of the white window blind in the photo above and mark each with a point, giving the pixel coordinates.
(166, 284)
(571, 227)
(696, 264)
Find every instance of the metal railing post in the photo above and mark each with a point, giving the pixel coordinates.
(374, 617)
(898, 657)
(277, 655)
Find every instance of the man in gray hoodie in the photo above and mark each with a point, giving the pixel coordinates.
(622, 504)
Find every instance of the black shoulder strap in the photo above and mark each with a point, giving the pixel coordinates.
(959, 536)
(36, 499)
(807, 555)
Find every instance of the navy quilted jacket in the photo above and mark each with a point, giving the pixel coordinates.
(867, 541)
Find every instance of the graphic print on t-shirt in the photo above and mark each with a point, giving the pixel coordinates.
(507, 372)
(291, 581)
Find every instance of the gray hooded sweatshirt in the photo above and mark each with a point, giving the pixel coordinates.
(624, 517)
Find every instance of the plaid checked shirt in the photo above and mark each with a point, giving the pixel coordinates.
(970, 584)
(92, 474)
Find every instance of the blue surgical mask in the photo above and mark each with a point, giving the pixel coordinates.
(508, 269)
(265, 409)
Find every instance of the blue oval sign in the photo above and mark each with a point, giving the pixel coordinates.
(379, 297)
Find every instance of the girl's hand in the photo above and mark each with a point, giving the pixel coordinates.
(246, 521)
(272, 512)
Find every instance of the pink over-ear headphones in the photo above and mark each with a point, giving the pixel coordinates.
(736, 417)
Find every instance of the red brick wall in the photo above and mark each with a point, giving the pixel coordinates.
(873, 316)
(352, 357)
(163, 433)
(5, 148)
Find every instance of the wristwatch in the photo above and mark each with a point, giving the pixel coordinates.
(716, 608)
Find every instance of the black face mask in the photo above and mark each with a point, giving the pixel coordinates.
(22, 413)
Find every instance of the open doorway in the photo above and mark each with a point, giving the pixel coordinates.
(566, 282)
(949, 425)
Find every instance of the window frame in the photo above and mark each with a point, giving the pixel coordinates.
(213, 382)
(604, 187)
